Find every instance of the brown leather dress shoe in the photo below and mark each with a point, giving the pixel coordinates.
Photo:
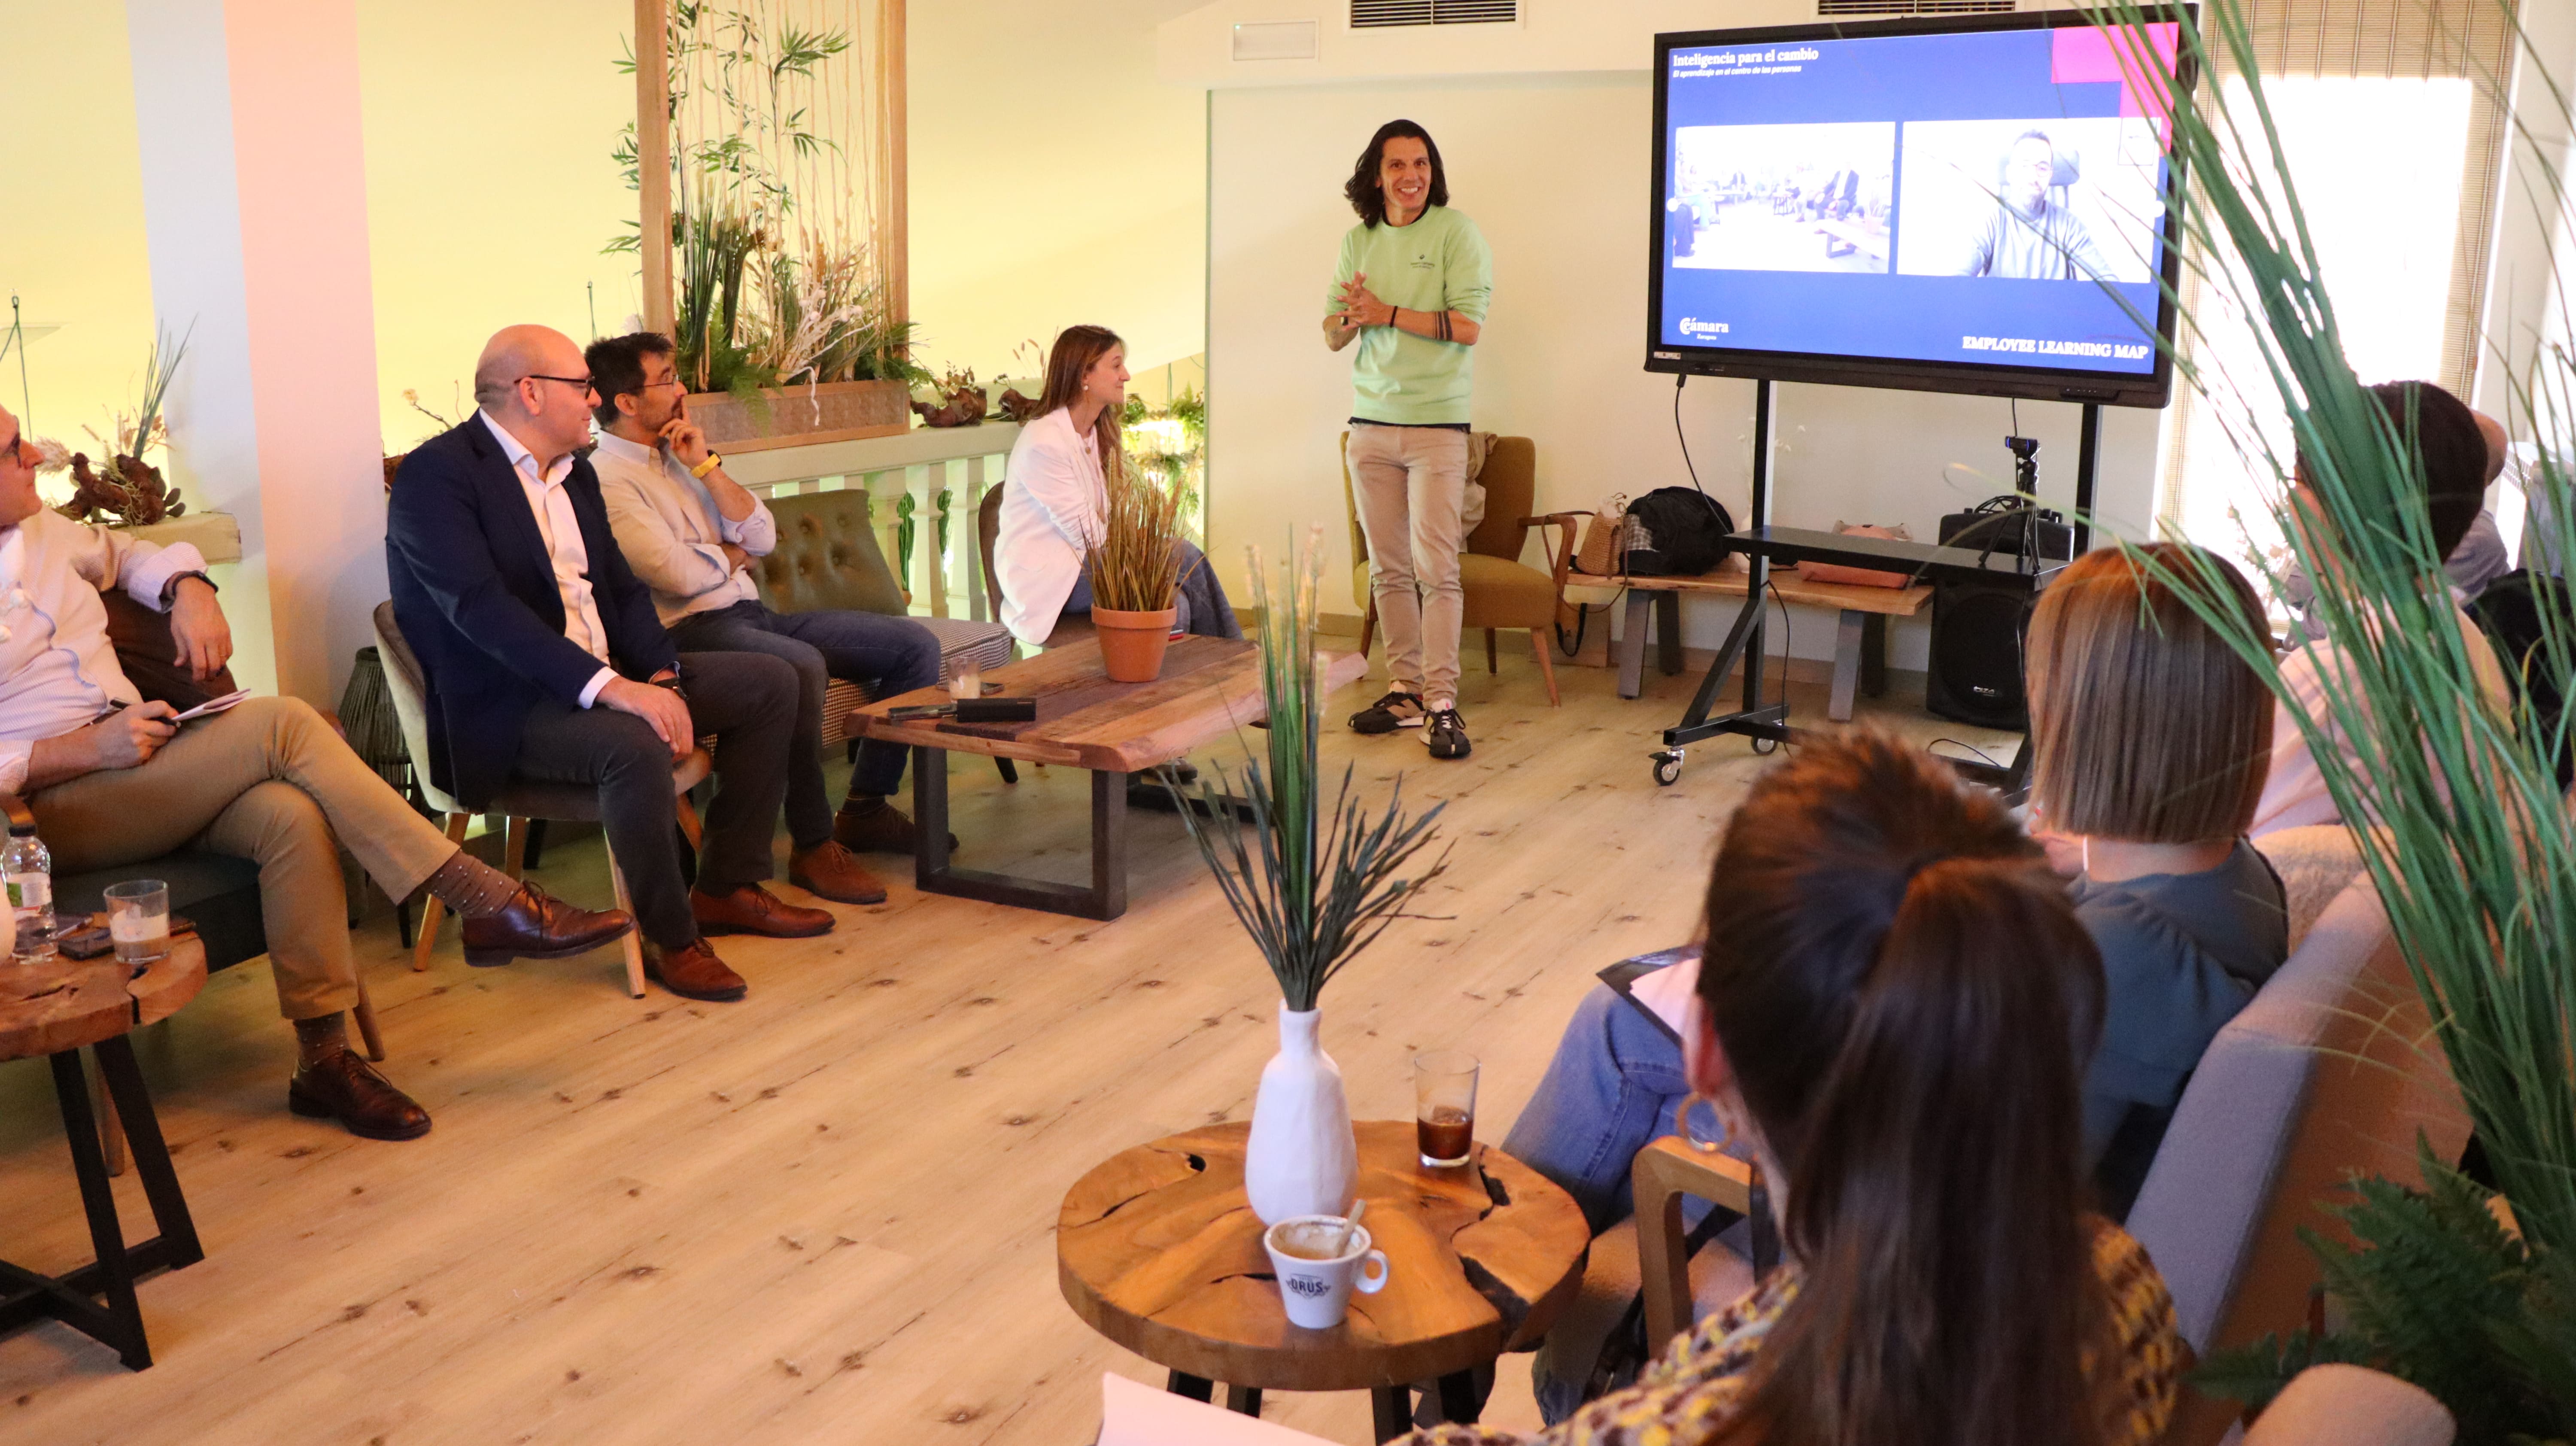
(694, 972)
(752, 909)
(537, 925)
(344, 1087)
(875, 826)
(835, 873)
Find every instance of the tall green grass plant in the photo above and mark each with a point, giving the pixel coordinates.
(2457, 807)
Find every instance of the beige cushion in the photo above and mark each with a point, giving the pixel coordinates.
(2348, 1406)
(2315, 865)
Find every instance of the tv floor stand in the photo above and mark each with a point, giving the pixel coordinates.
(1765, 546)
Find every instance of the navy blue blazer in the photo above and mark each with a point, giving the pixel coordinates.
(474, 592)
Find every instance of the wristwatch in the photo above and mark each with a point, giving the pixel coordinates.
(673, 683)
(714, 460)
(170, 589)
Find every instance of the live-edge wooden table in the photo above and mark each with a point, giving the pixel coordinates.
(53, 1009)
(1158, 1250)
(1208, 686)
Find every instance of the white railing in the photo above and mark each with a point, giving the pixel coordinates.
(924, 466)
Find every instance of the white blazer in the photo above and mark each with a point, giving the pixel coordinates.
(1054, 498)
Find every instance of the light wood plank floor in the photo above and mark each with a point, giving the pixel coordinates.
(824, 1215)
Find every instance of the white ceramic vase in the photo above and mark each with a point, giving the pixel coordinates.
(1302, 1158)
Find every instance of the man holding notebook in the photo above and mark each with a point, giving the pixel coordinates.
(113, 779)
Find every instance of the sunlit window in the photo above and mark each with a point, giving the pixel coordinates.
(2377, 163)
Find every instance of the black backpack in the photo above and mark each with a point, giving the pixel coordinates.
(1689, 529)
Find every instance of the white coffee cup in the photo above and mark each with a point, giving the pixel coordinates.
(1317, 1293)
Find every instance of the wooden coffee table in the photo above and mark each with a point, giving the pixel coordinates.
(53, 1009)
(1159, 1250)
(1208, 686)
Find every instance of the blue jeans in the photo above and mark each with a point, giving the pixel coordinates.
(1612, 1087)
(889, 655)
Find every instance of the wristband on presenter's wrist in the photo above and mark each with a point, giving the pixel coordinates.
(714, 460)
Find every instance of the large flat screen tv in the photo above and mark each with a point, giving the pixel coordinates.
(1965, 204)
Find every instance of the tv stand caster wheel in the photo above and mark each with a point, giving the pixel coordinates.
(1668, 767)
(1765, 747)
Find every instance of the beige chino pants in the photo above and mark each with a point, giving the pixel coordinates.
(271, 782)
(1411, 485)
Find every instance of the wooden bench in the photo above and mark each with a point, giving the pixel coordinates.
(1860, 643)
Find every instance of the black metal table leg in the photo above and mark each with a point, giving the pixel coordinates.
(1391, 1411)
(1460, 1402)
(1197, 1388)
(1106, 896)
(1243, 1400)
(27, 1296)
(178, 1242)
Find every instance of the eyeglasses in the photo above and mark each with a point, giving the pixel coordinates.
(664, 382)
(582, 382)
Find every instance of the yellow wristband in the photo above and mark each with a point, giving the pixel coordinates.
(714, 460)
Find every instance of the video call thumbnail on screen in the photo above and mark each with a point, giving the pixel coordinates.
(1950, 198)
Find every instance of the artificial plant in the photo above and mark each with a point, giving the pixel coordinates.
(1312, 893)
(2457, 810)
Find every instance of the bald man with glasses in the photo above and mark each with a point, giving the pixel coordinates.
(544, 660)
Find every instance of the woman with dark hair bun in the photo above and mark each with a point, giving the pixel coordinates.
(1894, 1006)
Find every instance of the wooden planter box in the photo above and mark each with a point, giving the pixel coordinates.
(832, 412)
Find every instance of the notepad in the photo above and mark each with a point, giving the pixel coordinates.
(213, 706)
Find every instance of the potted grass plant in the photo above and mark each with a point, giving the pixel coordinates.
(1312, 888)
(1135, 572)
(2463, 828)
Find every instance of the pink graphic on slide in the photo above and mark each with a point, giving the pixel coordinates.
(2081, 54)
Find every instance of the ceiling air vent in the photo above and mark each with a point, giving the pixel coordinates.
(1380, 14)
(1915, 7)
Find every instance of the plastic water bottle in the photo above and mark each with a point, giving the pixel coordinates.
(28, 867)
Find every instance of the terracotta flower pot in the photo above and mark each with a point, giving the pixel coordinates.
(1132, 644)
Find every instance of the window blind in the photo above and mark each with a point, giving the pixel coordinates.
(2471, 40)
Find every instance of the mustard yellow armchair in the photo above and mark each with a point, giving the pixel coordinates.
(1501, 590)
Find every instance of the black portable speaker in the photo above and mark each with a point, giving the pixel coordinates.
(1977, 624)
(1975, 673)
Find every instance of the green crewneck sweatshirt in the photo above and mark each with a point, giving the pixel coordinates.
(1438, 263)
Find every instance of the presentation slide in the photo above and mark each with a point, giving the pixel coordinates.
(1981, 197)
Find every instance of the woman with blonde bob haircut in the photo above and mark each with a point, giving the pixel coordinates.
(2153, 739)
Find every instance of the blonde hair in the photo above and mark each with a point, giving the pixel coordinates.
(2150, 729)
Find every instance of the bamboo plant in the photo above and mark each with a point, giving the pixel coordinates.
(2458, 811)
(1312, 889)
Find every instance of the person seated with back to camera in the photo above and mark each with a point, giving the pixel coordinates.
(1891, 1017)
(543, 659)
(2454, 451)
(113, 780)
(2151, 738)
(691, 532)
(2478, 560)
(1056, 502)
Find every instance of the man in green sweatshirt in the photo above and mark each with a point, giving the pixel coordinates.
(1411, 290)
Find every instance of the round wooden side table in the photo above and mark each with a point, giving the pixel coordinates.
(53, 1009)
(1159, 1250)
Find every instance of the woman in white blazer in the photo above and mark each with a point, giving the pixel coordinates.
(1056, 493)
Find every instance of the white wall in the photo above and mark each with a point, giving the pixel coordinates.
(1553, 168)
(1053, 181)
